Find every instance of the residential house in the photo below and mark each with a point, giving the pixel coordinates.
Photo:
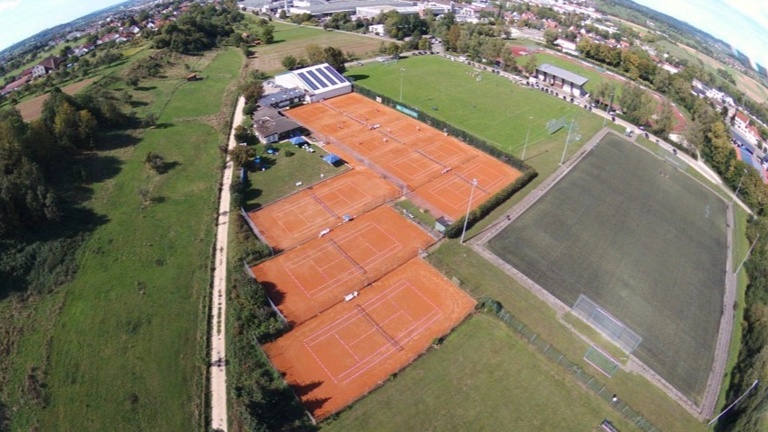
(271, 126)
(46, 66)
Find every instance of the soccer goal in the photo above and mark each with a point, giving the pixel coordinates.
(601, 360)
(610, 327)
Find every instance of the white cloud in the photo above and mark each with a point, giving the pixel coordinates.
(8, 4)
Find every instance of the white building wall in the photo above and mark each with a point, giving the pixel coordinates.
(331, 93)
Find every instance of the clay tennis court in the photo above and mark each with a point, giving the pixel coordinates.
(301, 216)
(407, 152)
(449, 193)
(345, 352)
(316, 275)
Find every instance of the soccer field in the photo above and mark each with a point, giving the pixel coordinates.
(643, 240)
(492, 108)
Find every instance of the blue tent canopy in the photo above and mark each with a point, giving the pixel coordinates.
(298, 140)
(331, 158)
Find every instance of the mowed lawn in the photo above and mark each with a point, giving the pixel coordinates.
(127, 349)
(644, 241)
(292, 40)
(483, 378)
(493, 108)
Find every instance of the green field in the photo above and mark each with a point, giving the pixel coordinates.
(644, 241)
(292, 40)
(284, 172)
(494, 108)
(483, 378)
(122, 347)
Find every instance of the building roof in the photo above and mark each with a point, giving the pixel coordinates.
(51, 62)
(268, 121)
(564, 74)
(323, 8)
(280, 96)
(743, 117)
(319, 78)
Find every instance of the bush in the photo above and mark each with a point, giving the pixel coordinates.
(289, 153)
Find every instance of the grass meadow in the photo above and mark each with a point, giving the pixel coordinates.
(292, 40)
(122, 347)
(651, 251)
(482, 378)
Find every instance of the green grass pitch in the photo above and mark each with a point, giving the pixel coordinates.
(493, 108)
(643, 240)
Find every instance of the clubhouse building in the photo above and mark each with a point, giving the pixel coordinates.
(562, 79)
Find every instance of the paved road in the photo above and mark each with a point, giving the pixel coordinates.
(218, 371)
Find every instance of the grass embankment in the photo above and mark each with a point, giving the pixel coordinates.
(482, 378)
(122, 347)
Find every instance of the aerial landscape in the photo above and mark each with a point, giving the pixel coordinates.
(383, 215)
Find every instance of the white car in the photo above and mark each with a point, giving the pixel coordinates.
(381, 59)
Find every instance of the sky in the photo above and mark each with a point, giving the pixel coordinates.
(741, 23)
(20, 19)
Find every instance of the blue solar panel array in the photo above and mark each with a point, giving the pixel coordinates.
(309, 82)
(335, 74)
(317, 78)
(321, 77)
(326, 76)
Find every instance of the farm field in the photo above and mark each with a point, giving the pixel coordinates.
(645, 242)
(292, 40)
(32, 108)
(493, 108)
(482, 378)
(121, 345)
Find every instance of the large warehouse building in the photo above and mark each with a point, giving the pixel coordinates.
(318, 82)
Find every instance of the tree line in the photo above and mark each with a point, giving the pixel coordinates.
(198, 29)
(33, 154)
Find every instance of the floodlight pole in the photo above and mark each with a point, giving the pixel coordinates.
(401, 83)
(527, 134)
(608, 110)
(469, 206)
(565, 148)
(754, 384)
(747, 255)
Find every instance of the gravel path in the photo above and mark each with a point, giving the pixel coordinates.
(218, 367)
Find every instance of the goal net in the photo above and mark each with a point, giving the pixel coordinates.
(610, 327)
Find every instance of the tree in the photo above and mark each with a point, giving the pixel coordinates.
(550, 36)
(508, 61)
(155, 162)
(315, 54)
(282, 15)
(638, 105)
(289, 62)
(425, 44)
(393, 49)
(253, 91)
(530, 65)
(149, 120)
(242, 155)
(336, 59)
(664, 120)
(268, 34)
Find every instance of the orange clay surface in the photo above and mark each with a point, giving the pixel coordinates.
(348, 350)
(301, 216)
(407, 151)
(314, 276)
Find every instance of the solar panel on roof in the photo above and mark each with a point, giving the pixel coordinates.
(326, 76)
(319, 80)
(309, 82)
(335, 74)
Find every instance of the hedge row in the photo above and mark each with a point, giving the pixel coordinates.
(454, 230)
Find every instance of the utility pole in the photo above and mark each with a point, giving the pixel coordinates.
(469, 206)
(565, 148)
(526, 138)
